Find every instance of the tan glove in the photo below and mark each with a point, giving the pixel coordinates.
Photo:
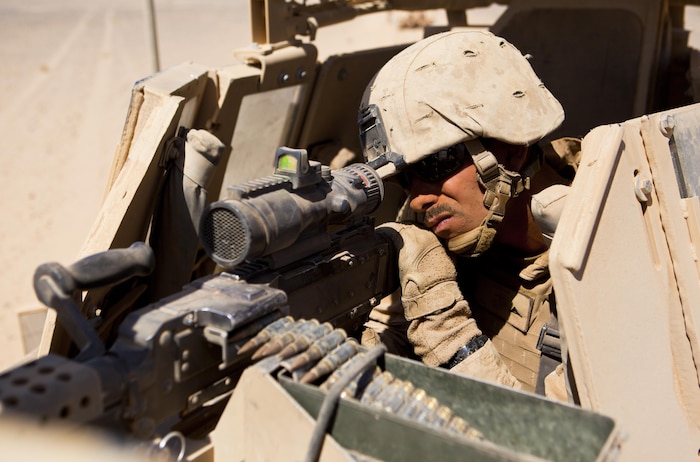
(440, 318)
(486, 364)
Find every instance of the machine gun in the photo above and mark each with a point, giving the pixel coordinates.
(258, 346)
(296, 244)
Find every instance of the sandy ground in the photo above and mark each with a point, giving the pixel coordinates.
(68, 69)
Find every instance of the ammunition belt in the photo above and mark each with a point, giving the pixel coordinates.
(317, 354)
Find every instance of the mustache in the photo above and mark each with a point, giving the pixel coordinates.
(437, 210)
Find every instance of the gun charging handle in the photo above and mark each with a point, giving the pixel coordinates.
(55, 286)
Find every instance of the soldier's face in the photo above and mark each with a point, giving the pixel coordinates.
(452, 206)
(455, 205)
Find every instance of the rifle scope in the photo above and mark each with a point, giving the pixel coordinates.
(300, 199)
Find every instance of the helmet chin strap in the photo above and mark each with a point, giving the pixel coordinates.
(500, 184)
(472, 243)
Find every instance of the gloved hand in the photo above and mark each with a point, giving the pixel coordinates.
(427, 274)
(440, 318)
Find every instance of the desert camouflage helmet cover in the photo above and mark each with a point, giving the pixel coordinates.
(452, 87)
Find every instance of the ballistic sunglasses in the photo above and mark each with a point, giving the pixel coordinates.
(439, 166)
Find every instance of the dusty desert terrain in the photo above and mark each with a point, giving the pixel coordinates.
(68, 69)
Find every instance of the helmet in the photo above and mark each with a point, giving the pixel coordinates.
(457, 87)
(448, 88)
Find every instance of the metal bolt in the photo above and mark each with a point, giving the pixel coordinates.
(348, 260)
(666, 125)
(283, 78)
(165, 338)
(301, 74)
(643, 188)
(95, 311)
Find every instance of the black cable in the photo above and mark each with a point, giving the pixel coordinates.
(330, 403)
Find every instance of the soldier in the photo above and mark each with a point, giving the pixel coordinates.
(455, 118)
